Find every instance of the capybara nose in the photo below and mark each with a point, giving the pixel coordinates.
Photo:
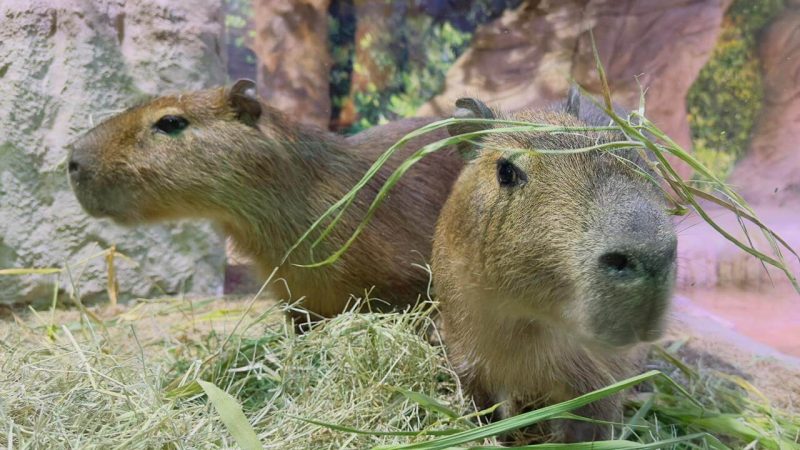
(77, 162)
(616, 263)
(74, 167)
(651, 260)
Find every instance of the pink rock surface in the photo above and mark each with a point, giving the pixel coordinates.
(770, 173)
(726, 292)
(763, 323)
(526, 58)
(707, 260)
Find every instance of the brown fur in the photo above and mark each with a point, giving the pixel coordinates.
(526, 319)
(264, 184)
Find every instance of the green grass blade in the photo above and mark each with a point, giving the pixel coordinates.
(390, 182)
(728, 424)
(604, 445)
(638, 417)
(636, 138)
(347, 200)
(230, 412)
(532, 417)
(427, 402)
(679, 185)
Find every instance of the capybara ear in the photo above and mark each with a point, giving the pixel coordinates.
(573, 106)
(244, 100)
(470, 108)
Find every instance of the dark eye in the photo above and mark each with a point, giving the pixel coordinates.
(171, 125)
(508, 174)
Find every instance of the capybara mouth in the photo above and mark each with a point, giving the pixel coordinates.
(103, 203)
(93, 207)
(628, 327)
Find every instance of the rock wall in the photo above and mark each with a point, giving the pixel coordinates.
(526, 58)
(64, 66)
(770, 172)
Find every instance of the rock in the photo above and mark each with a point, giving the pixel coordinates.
(707, 260)
(166, 46)
(64, 66)
(527, 57)
(770, 171)
(293, 60)
(736, 332)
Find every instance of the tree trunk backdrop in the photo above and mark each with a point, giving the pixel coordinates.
(294, 64)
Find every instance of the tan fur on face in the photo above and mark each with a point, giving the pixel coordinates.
(527, 318)
(264, 185)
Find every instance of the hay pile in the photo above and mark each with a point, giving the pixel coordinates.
(128, 381)
(125, 377)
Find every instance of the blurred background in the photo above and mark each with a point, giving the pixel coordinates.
(720, 76)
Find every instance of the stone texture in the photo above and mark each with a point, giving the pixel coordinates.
(64, 66)
(770, 172)
(526, 58)
(293, 59)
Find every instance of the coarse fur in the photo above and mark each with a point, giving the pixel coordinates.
(533, 313)
(264, 179)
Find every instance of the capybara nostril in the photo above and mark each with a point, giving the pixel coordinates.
(73, 167)
(616, 263)
(651, 261)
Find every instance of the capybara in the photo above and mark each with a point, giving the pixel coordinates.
(225, 155)
(550, 268)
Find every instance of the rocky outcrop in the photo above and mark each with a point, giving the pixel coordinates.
(526, 58)
(293, 60)
(64, 66)
(770, 172)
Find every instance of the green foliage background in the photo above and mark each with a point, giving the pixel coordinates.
(425, 48)
(415, 81)
(726, 98)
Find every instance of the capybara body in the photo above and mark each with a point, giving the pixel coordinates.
(224, 155)
(550, 268)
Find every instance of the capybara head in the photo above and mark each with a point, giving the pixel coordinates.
(172, 157)
(580, 241)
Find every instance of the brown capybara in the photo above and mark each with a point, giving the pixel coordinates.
(550, 268)
(226, 156)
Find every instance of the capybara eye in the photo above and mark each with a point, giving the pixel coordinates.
(508, 174)
(171, 125)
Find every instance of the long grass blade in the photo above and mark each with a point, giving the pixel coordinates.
(532, 417)
(230, 412)
(605, 445)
